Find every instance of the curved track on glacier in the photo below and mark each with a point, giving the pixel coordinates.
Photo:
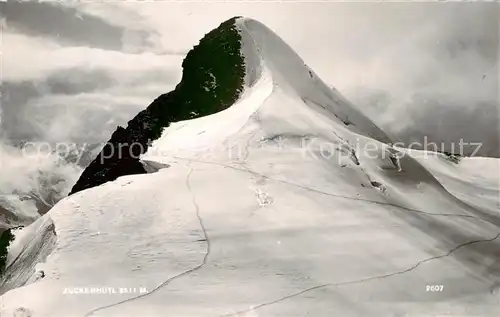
(247, 170)
(173, 278)
(449, 253)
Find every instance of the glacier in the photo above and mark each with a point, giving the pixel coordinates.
(270, 208)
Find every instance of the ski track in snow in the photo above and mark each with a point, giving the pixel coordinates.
(247, 170)
(173, 278)
(294, 84)
(379, 277)
(368, 279)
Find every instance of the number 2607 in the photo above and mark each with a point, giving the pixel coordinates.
(434, 288)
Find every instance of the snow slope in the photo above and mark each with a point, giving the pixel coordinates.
(285, 204)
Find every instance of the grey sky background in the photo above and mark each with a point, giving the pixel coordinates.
(74, 71)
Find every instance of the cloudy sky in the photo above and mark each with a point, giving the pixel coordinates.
(72, 72)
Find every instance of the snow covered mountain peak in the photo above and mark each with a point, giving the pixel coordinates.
(228, 60)
(294, 77)
(286, 201)
(278, 86)
(212, 80)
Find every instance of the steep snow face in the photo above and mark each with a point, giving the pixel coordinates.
(31, 245)
(272, 207)
(297, 79)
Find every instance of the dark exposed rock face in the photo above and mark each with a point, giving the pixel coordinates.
(6, 237)
(212, 80)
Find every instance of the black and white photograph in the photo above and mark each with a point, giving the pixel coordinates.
(249, 158)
